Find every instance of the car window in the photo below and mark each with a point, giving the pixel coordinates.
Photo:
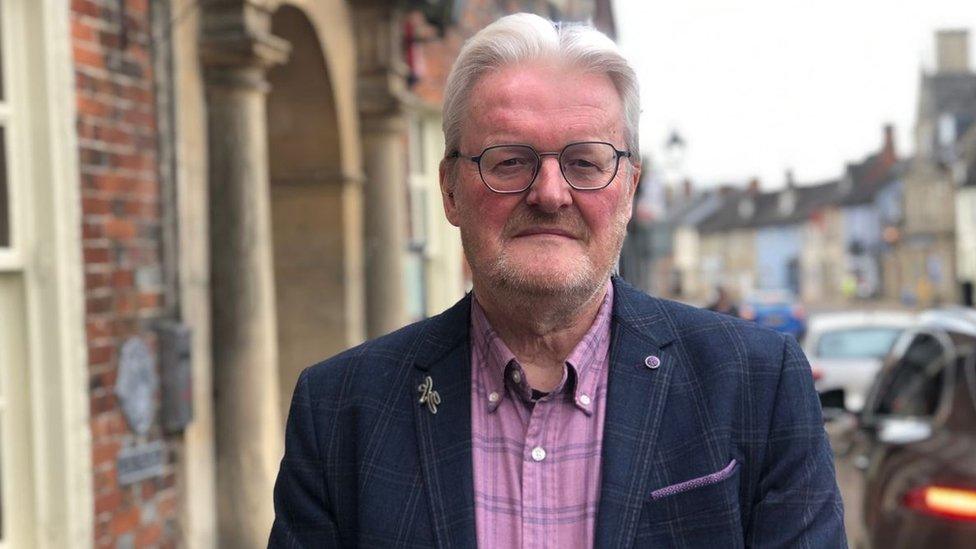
(912, 387)
(856, 343)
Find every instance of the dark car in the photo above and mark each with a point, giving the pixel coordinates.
(908, 465)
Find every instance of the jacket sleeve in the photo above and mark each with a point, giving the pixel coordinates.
(798, 503)
(303, 514)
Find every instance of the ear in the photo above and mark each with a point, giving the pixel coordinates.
(448, 186)
(633, 178)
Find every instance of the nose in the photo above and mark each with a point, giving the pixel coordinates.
(550, 192)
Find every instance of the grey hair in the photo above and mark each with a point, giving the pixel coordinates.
(522, 37)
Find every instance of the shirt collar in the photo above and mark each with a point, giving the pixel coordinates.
(499, 363)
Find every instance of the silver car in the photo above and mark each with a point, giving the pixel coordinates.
(846, 350)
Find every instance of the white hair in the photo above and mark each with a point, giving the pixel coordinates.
(523, 37)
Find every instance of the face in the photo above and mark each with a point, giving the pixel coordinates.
(550, 239)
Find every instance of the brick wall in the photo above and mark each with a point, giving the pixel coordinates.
(121, 230)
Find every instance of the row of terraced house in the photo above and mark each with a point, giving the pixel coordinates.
(900, 230)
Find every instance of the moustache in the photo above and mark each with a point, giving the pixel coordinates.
(530, 219)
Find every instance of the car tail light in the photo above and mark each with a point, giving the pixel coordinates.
(954, 503)
(818, 373)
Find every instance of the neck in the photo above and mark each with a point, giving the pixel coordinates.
(540, 330)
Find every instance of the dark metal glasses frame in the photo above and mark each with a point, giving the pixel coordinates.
(538, 164)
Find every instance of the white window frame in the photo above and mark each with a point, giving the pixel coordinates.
(48, 389)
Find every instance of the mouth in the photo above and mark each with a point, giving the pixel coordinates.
(546, 231)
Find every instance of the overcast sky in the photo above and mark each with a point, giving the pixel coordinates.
(759, 86)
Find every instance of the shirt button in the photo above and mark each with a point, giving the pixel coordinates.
(585, 400)
(493, 397)
(516, 377)
(538, 453)
(652, 362)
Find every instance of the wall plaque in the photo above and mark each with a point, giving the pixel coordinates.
(137, 384)
(139, 462)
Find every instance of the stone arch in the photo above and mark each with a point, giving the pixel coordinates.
(315, 198)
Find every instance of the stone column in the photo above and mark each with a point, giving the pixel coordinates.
(236, 50)
(380, 87)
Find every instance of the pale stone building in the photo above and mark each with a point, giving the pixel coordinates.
(926, 247)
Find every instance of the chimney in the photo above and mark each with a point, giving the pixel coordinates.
(687, 188)
(790, 180)
(888, 154)
(753, 187)
(952, 48)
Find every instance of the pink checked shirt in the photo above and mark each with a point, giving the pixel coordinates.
(537, 462)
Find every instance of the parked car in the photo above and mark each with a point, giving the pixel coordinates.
(846, 350)
(776, 309)
(913, 445)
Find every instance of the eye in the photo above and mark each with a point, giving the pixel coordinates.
(513, 162)
(582, 163)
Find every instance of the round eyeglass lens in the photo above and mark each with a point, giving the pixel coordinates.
(508, 168)
(589, 165)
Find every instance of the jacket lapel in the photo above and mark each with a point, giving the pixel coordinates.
(444, 435)
(636, 395)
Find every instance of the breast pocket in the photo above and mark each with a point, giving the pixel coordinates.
(701, 511)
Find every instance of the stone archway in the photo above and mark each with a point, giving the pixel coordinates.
(314, 207)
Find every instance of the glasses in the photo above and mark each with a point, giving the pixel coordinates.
(510, 169)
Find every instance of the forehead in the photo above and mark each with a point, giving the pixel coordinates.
(545, 105)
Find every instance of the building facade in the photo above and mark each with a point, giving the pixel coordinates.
(197, 201)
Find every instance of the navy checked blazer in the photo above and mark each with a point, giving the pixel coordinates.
(721, 445)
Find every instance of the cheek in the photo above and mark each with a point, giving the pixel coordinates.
(488, 211)
(603, 216)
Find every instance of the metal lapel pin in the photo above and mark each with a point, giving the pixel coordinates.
(428, 395)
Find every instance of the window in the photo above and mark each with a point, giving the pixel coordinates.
(913, 386)
(857, 343)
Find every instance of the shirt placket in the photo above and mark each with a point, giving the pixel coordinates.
(535, 468)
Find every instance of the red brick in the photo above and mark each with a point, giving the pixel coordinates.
(92, 230)
(105, 452)
(97, 329)
(137, 7)
(96, 254)
(150, 300)
(122, 229)
(166, 506)
(88, 57)
(107, 425)
(95, 206)
(86, 7)
(125, 521)
(107, 502)
(124, 327)
(123, 279)
(148, 489)
(95, 281)
(109, 40)
(149, 535)
(101, 354)
(98, 305)
(81, 32)
(108, 478)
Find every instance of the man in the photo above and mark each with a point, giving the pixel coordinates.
(555, 406)
(723, 302)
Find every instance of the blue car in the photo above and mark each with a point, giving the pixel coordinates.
(776, 309)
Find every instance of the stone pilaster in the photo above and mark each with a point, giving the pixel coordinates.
(381, 87)
(237, 49)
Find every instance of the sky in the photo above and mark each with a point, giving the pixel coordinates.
(756, 87)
